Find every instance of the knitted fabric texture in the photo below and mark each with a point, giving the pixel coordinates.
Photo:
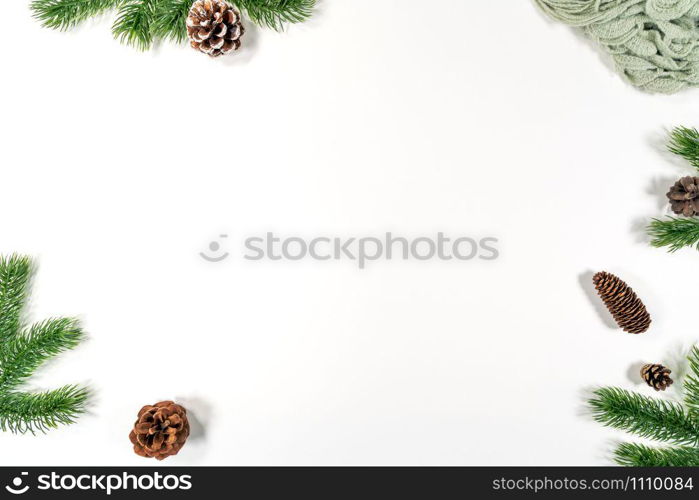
(654, 43)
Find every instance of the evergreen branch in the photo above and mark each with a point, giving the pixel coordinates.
(22, 351)
(646, 417)
(25, 353)
(638, 455)
(170, 20)
(674, 232)
(15, 272)
(65, 14)
(24, 412)
(684, 142)
(134, 23)
(691, 384)
(274, 13)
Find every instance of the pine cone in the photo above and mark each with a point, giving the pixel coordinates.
(626, 308)
(684, 196)
(214, 27)
(160, 430)
(656, 376)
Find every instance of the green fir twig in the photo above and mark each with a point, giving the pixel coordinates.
(134, 23)
(22, 412)
(24, 349)
(668, 422)
(140, 22)
(24, 353)
(646, 417)
(674, 233)
(66, 14)
(639, 455)
(170, 20)
(691, 384)
(15, 273)
(684, 142)
(275, 13)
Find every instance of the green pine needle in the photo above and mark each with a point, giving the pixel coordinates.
(24, 412)
(691, 384)
(646, 417)
(674, 232)
(678, 232)
(24, 349)
(134, 22)
(26, 352)
(15, 272)
(170, 20)
(140, 22)
(656, 419)
(684, 142)
(65, 14)
(638, 455)
(275, 13)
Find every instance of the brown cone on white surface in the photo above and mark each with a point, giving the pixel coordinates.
(214, 27)
(657, 376)
(160, 430)
(628, 310)
(684, 196)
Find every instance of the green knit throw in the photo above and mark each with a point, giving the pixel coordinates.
(654, 43)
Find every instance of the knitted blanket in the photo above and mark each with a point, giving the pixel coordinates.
(654, 43)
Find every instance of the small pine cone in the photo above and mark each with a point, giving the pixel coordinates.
(160, 430)
(626, 308)
(684, 196)
(214, 27)
(656, 376)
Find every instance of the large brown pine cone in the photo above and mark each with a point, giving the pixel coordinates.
(214, 27)
(626, 308)
(684, 196)
(657, 376)
(160, 430)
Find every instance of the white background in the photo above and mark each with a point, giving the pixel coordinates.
(485, 118)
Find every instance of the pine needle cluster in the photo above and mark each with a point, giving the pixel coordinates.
(674, 233)
(23, 349)
(684, 142)
(139, 23)
(678, 232)
(672, 423)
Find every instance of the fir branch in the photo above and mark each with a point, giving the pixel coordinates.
(170, 20)
(691, 384)
(65, 14)
(22, 351)
(638, 455)
(274, 13)
(133, 25)
(684, 142)
(674, 232)
(42, 341)
(22, 412)
(15, 272)
(646, 417)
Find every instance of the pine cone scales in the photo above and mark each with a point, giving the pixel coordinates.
(622, 302)
(657, 376)
(214, 27)
(160, 430)
(684, 196)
